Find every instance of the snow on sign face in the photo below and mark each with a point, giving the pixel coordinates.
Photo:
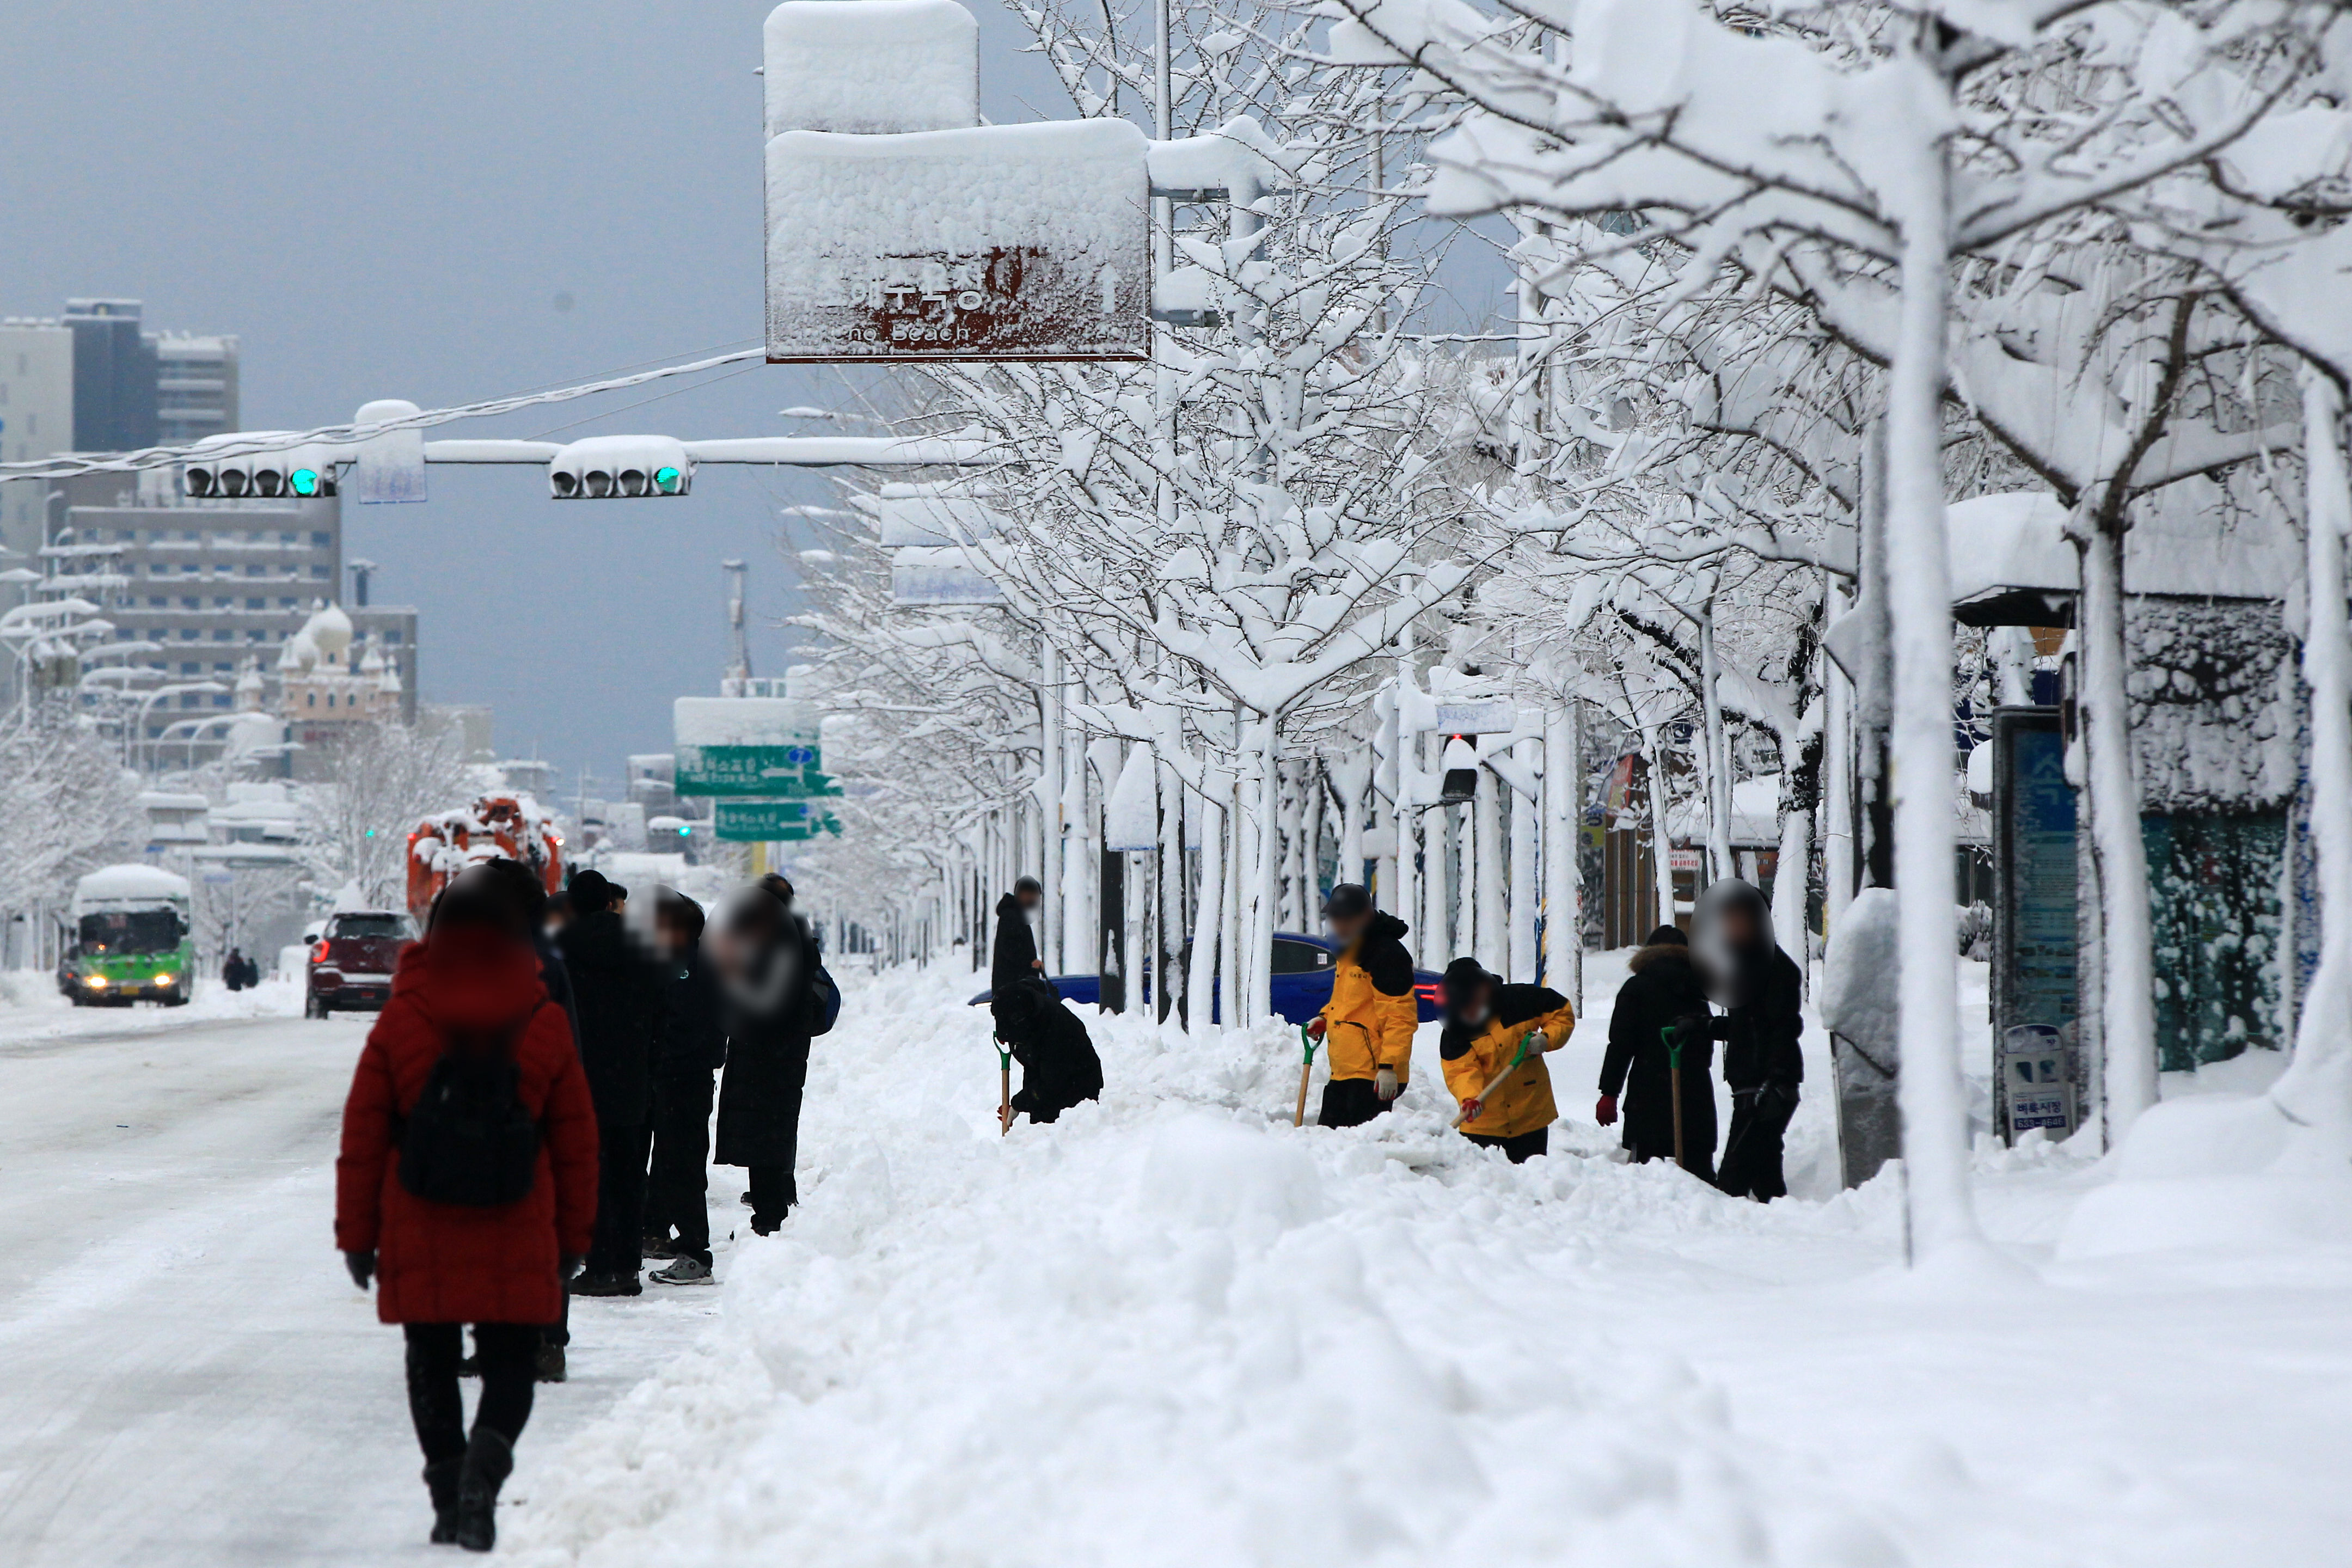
(871, 66)
(1005, 242)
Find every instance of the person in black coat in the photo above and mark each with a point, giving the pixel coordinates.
(1663, 992)
(1058, 1064)
(776, 997)
(1014, 955)
(689, 1049)
(1762, 993)
(617, 989)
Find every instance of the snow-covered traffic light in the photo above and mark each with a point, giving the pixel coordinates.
(301, 472)
(611, 467)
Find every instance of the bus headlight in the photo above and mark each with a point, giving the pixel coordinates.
(165, 980)
(95, 981)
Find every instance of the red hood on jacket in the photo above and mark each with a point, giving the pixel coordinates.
(469, 978)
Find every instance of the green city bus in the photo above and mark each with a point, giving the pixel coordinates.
(132, 941)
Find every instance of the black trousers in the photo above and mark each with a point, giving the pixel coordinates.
(773, 1193)
(619, 1244)
(1520, 1149)
(506, 1353)
(1751, 1154)
(1351, 1102)
(677, 1186)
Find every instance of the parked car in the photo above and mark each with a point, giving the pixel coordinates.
(352, 962)
(1301, 982)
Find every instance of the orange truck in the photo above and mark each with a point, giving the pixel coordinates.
(495, 827)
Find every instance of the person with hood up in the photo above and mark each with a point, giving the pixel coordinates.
(1662, 993)
(688, 1051)
(1368, 1025)
(775, 997)
(466, 1188)
(1485, 1022)
(616, 993)
(1762, 994)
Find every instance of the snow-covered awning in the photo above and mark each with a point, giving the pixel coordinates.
(2012, 564)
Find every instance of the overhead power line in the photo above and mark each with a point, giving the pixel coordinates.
(66, 465)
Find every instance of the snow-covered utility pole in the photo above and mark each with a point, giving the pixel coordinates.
(1563, 783)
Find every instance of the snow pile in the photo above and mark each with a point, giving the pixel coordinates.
(2215, 1173)
(869, 66)
(1169, 1329)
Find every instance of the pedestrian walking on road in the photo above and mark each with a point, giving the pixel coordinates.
(1373, 1014)
(688, 1051)
(616, 990)
(1662, 993)
(233, 970)
(1762, 994)
(777, 998)
(466, 1188)
(1500, 1032)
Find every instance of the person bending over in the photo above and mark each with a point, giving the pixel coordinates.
(1487, 1023)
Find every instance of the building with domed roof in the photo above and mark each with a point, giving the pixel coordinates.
(330, 678)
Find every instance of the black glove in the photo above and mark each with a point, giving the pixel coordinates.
(361, 1265)
(1777, 1091)
(1690, 1028)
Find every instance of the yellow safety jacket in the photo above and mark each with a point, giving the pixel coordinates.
(1521, 1102)
(1369, 1020)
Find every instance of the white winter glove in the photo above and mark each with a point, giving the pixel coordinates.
(1384, 1083)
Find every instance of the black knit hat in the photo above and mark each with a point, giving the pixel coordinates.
(1667, 936)
(1463, 973)
(1347, 900)
(591, 893)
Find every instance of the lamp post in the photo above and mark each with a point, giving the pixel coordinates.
(175, 690)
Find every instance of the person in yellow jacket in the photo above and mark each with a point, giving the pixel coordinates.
(1369, 1020)
(1485, 1020)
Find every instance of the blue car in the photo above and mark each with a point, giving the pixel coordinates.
(1301, 981)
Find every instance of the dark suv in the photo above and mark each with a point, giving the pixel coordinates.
(352, 962)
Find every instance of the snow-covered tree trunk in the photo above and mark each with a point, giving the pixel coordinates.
(1662, 853)
(1835, 822)
(1789, 882)
(1208, 923)
(1051, 783)
(1718, 771)
(1935, 1112)
(1494, 856)
(2127, 1031)
(1563, 884)
(1171, 922)
(1526, 894)
(1387, 789)
(2316, 1089)
(1261, 992)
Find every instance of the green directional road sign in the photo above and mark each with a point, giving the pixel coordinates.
(774, 821)
(751, 747)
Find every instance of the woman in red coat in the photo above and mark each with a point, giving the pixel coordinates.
(469, 993)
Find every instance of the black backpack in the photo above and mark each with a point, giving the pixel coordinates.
(469, 1140)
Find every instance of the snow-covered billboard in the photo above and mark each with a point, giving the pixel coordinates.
(997, 242)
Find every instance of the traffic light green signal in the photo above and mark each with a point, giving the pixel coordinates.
(303, 482)
(667, 480)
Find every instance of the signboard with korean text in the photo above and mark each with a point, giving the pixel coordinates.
(774, 821)
(749, 746)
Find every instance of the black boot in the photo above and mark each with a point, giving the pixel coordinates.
(490, 1459)
(441, 1481)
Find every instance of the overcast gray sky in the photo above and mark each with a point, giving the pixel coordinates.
(447, 202)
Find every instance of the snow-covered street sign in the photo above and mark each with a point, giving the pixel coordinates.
(746, 746)
(774, 821)
(900, 228)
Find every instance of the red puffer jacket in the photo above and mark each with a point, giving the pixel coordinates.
(443, 1263)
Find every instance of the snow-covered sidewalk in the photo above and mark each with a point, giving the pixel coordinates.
(1172, 1329)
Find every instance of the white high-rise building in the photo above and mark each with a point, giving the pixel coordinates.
(37, 405)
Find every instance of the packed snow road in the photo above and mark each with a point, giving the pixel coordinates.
(186, 1376)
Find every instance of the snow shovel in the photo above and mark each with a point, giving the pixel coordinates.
(1673, 1040)
(1495, 1082)
(1306, 1070)
(1003, 1090)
